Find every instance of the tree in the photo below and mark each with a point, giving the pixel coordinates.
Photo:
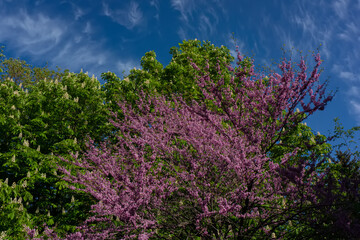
(338, 213)
(178, 77)
(184, 169)
(38, 124)
(21, 72)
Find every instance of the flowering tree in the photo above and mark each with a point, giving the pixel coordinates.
(180, 170)
(38, 121)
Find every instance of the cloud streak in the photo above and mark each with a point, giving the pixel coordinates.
(185, 7)
(36, 34)
(129, 17)
(340, 8)
(46, 39)
(197, 17)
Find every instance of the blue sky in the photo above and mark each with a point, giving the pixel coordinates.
(113, 35)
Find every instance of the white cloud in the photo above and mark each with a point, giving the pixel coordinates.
(185, 7)
(307, 23)
(87, 28)
(36, 34)
(182, 33)
(197, 17)
(355, 105)
(205, 26)
(348, 76)
(349, 32)
(155, 3)
(89, 57)
(340, 8)
(78, 13)
(78, 55)
(354, 92)
(129, 17)
(285, 37)
(58, 41)
(126, 66)
(314, 33)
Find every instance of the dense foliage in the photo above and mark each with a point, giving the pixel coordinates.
(194, 149)
(51, 117)
(179, 171)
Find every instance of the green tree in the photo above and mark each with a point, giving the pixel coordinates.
(56, 116)
(38, 126)
(21, 72)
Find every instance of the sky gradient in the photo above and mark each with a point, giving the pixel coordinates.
(113, 35)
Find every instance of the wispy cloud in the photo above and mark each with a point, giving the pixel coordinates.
(197, 17)
(155, 4)
(182, 33)
(307, 23)
(231, 45)
(88, 28)
(344, 73)
(355, 107)
(126, 66)
(129, 17)
(88, 56)
(205, 26)
(78, 12)
(36, 34)
(314, 33)
(349, 76)
(340, 7)
(354, 91)
(185, 7)
(350, 33)
(285, 37)
(60, 42)
(335, 25)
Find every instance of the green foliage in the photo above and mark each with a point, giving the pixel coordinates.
(337, 215)
(178, 77)
(45, 114)
(38, 125)
(21, 72)
(346, 137)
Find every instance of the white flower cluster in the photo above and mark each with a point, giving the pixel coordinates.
(24, 184)
(2, 235)
(19, 201)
